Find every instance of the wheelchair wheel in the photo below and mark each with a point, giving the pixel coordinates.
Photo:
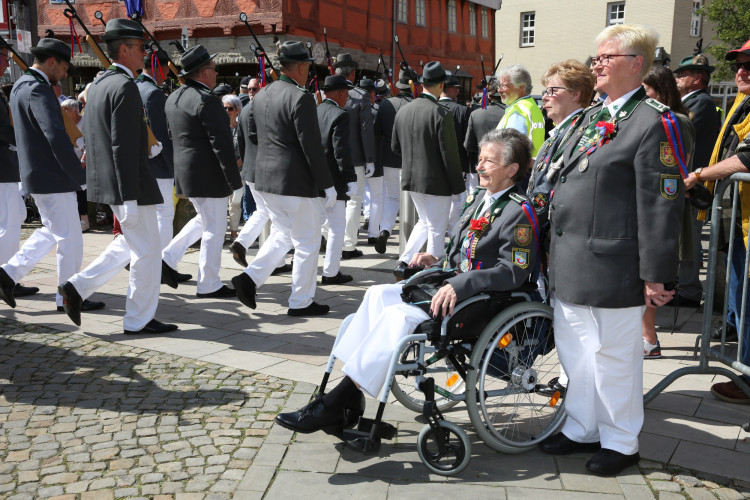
(449, 458)
(441, 370)
(514, 398)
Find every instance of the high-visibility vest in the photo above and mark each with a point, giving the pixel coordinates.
(527, 107)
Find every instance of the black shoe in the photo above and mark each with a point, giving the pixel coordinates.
(168, 275)
(88, 305)
(286, 268)
(351, 254)
(610, 462)
(731, 334)
(366, 225)
(24, 291)
(354, 409)
(238, 253)
(560, 444)
(183, 277)
(678, 301)
(6, 288)
(314, 309)
(312, 418)
(72, 302)
(371, 240)
(221, 293)
(381, 241)
(244, 286)
(336, 280)
(152, 327)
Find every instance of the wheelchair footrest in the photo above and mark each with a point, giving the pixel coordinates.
(367, 435)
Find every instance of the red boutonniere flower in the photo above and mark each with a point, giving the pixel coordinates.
(605, 130)
(478, 225)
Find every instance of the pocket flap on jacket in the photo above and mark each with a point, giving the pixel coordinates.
(618, 246)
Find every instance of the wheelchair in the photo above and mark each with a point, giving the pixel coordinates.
(496, 354)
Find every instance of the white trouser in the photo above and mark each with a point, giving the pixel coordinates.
(257, 221)
(296, 219)
(367, 345)
(140, 247)
(353, 210)
(602, 353)
(366, 200)
(235, 208)
(336, 222)
(433, 214)
(472, 182)
(12, 215)
(60, 226)
(376, 205)
(457, 206)
(391, 197)
(208, 226)
(165, 212)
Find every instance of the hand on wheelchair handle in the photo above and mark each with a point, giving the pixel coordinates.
(423, 259)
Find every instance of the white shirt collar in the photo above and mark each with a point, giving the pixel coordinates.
(146, 75)
(564, 120)
(124, 68)
(615, 106)
(495, 196)
(39, 71)
(689, 94)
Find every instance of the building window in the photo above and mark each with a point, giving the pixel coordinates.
(485, 23)
(696, 21)
(452, 16)
(419, 10)
(403, 11)
(528, 22)
(615, 13)
(472, 20)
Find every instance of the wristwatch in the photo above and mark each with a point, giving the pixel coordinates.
(697, 173)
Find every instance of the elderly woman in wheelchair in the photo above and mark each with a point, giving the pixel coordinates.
(488, 265)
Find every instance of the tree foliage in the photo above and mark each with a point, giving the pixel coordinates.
(732, 21)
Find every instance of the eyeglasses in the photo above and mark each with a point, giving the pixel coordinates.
(138, 46)
(550, 91)
(605, 58)
(228, 108)
(254, 89)
(735, 67)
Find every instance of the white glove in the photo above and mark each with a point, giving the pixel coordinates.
(155, 149)
(130, 214)
(369, 169)
(330, 197)
(351, 189)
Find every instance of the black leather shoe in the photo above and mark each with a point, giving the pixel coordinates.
(168, 275)
(336, 280)
(88, 305)
(371, 240)
(244, 286)
(560, 444)
(381, 241)
(286, 268)
(312, 418)
(153, 327)
(24, 291)
(239, 253)
(731, 334)
(366, 225)
(183, 277)
(314, 309)
(221, 293)
(6, 288)
(610, 462)
(351, 254)
(72, 302)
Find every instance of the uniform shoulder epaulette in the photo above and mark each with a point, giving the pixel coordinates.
(661, 108)
(470, 199)
(517, 198)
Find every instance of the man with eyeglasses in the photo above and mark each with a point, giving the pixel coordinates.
(249, 88)
(733, 149)
(522, 112)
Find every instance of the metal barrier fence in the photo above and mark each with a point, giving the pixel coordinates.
(708, 353)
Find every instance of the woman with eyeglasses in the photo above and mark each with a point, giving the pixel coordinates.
(614, 227)
(233, 106)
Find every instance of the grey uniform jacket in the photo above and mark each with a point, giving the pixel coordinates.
(8, 159)
(615, 214)
(283, 123)
(248, 150)
(507, 250)
(361, 129)
(334, 131)
(378, 143)
(154, 99)
(481, 121)
(707, 124)
(425, 138)
(46, 159)
(461, 115)
(384, 120)
(204, 162)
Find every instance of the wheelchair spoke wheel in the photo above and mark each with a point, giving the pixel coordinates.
(446, 453)
(441, 370)
(515, 399)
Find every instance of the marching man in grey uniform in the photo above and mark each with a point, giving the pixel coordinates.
(118, 175)
(430, 168)
(205, 168)
(49, 168)
(481, 121)
(290, 169)
(461, 114)
(362, 144)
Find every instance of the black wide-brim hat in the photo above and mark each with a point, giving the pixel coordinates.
(367, 85)
(697, 62)
(451, 81)
(52, 47)
(160, 55)
(345, 60)
(294, 51)
(433, 72)
(403, 79)
(120, 28)
(336, 82)
(194, 58)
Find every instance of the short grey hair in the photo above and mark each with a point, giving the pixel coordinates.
(516, 149)
(345, 70)
(518, 75)
(233, 100)
(70, 104)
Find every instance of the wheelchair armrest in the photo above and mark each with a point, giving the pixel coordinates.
(423, 274)
(465, 303)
